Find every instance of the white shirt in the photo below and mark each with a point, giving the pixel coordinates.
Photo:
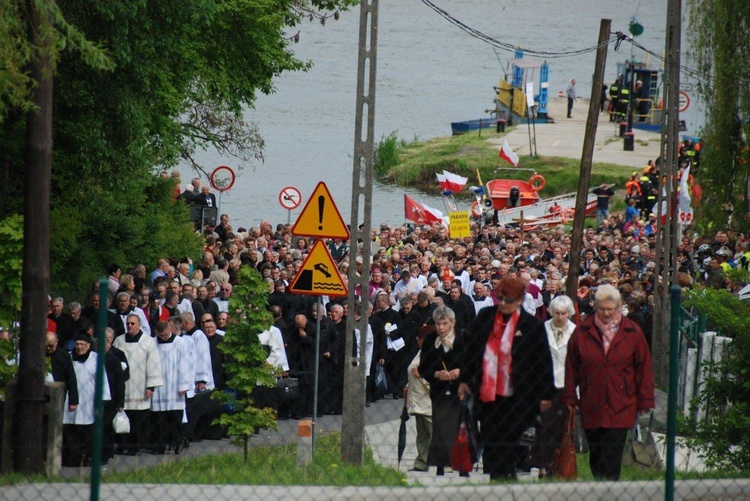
(559, 350)
(273, 339)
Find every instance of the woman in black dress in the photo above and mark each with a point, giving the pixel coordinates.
(440, 365)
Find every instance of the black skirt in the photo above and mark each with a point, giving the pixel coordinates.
(445, 420)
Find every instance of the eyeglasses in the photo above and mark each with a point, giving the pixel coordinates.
(507, 300)
(131, 323)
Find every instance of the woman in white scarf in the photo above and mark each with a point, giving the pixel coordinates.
(550, 429)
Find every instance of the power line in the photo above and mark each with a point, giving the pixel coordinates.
(616, 39)
(508, 46)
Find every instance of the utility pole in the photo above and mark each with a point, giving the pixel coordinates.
(666, 237)
(353, 419)
(28, 457)
(589, 139)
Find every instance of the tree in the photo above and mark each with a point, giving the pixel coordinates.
(180, 78)
(718, 32)
(246, 366)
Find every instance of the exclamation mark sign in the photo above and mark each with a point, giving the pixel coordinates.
(321, 208)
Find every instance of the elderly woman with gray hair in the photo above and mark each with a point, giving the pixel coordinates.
(550, 427)
(440, 364)
(610, 364)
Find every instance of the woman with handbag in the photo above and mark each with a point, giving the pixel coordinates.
(440, 364)
(549, 431)
(610, 364)
(508, 368)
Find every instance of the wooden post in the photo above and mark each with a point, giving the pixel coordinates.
(666, 236)
(589, 139)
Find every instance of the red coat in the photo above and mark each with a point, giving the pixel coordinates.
(615, 386)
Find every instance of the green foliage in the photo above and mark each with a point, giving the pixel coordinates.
(724, 436)
(386, 154)
(270, 466)
(246, 365)
(11, 264)
(16, 50)
(150, 84)
(718, 33)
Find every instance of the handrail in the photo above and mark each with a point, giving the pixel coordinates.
(650, 114)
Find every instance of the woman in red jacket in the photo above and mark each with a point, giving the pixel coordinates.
(609, 362)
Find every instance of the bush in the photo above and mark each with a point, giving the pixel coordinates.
(723, 438)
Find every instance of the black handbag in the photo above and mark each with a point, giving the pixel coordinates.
(287, 389)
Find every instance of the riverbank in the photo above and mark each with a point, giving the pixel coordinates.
(559, 146)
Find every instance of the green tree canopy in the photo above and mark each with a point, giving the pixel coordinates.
(169, 78)
(720, 34)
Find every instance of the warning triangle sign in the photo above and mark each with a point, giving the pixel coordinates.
(318, 275)
(320, 217)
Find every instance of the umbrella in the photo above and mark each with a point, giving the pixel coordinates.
(402, 434)
(475, 446)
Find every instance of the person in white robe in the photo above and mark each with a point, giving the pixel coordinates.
(78, 423)
(145, 376)
(168, 400)
(272, 341)
(203, 377)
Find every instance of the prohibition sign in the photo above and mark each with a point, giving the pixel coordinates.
(684, 103)
(290, 197)
(222, 178)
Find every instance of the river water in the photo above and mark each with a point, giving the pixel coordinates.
(429, 73)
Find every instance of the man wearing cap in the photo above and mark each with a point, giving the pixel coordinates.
(78, 422)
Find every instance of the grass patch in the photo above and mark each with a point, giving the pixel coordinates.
(415, 164)
(269, 466)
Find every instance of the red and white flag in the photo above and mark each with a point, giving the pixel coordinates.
(451, 182)
(508, 155)
(420, 213)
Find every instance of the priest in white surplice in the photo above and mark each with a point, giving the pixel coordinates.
(203, 376)
(168, 400)
(78, 423)
(145, 376)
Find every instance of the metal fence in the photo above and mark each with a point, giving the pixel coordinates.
(281, 462)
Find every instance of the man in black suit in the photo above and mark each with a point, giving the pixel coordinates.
(206, 198)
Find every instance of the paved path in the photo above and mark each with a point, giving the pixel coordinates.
(564, 138)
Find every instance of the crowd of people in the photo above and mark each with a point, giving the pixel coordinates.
(482, 318)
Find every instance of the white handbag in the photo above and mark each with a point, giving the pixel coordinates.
(121, 423)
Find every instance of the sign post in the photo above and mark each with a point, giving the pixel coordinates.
(290, 198)
(222, 179)
(318, 275)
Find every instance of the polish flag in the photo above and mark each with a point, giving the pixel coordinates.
(451, 182)
(508, 155)
(420, 213)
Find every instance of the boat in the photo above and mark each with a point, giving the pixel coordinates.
(510, 201)
(458, 128)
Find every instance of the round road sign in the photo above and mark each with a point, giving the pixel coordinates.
(222, 178)
(684, 101)
(290, 198)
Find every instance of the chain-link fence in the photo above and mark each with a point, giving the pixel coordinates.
(511, 406)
